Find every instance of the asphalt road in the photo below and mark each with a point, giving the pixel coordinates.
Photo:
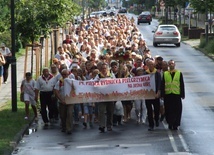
(195, 136)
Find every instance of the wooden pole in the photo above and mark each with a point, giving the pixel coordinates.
(37, 62)
(25, 63)
(46, 52)
(58, 36)
(52, 56)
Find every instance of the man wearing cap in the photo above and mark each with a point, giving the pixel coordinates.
(6, 53)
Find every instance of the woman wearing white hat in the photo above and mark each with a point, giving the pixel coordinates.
(6, 53)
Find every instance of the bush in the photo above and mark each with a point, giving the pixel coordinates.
(5, 37)
(210, 47)
(202, 43)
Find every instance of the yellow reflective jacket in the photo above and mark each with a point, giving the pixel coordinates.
(172, 86)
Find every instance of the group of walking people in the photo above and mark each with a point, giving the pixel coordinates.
(86, 54)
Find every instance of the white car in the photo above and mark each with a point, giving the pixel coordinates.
(95, 14)
(166, 34)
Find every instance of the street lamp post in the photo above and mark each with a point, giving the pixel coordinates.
(13, 64)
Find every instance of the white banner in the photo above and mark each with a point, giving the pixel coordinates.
(104, 90)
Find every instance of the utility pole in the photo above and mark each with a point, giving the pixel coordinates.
(13, 64)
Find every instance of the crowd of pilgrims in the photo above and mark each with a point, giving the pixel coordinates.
(85, 54)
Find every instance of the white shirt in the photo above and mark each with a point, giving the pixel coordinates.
(60, 87)
(28, 87)
(45, 84)
(5, 52)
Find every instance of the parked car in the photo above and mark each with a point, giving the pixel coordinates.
(166, 34)
(122, 10)
(144, 17)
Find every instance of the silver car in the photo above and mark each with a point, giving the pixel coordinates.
(166, 34)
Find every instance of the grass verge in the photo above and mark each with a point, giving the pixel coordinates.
(11, 123)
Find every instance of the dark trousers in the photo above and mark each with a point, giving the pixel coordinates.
(173, 109)
(66, 116)
(5, 72)
(77, 110)
(106, 110)
(46, 101)
(153, 107)
(55, 107)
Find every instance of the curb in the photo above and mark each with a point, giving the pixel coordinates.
(199, 49)
(17, 138)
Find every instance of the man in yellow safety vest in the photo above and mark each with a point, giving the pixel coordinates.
(172, 91)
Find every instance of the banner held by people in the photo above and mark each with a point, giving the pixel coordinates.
(104, 90)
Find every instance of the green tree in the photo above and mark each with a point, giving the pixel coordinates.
(200, 5)
(38, 17)
(96, 4)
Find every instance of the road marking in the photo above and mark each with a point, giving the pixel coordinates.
(183, 142)
(133, 145)
(91, 146)
(180, 153)
(135, 154)
(120, 145)
(171, 138)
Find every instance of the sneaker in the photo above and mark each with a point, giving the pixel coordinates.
(46, 124)
(5, 82)
(69, 132)
(26, 118)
